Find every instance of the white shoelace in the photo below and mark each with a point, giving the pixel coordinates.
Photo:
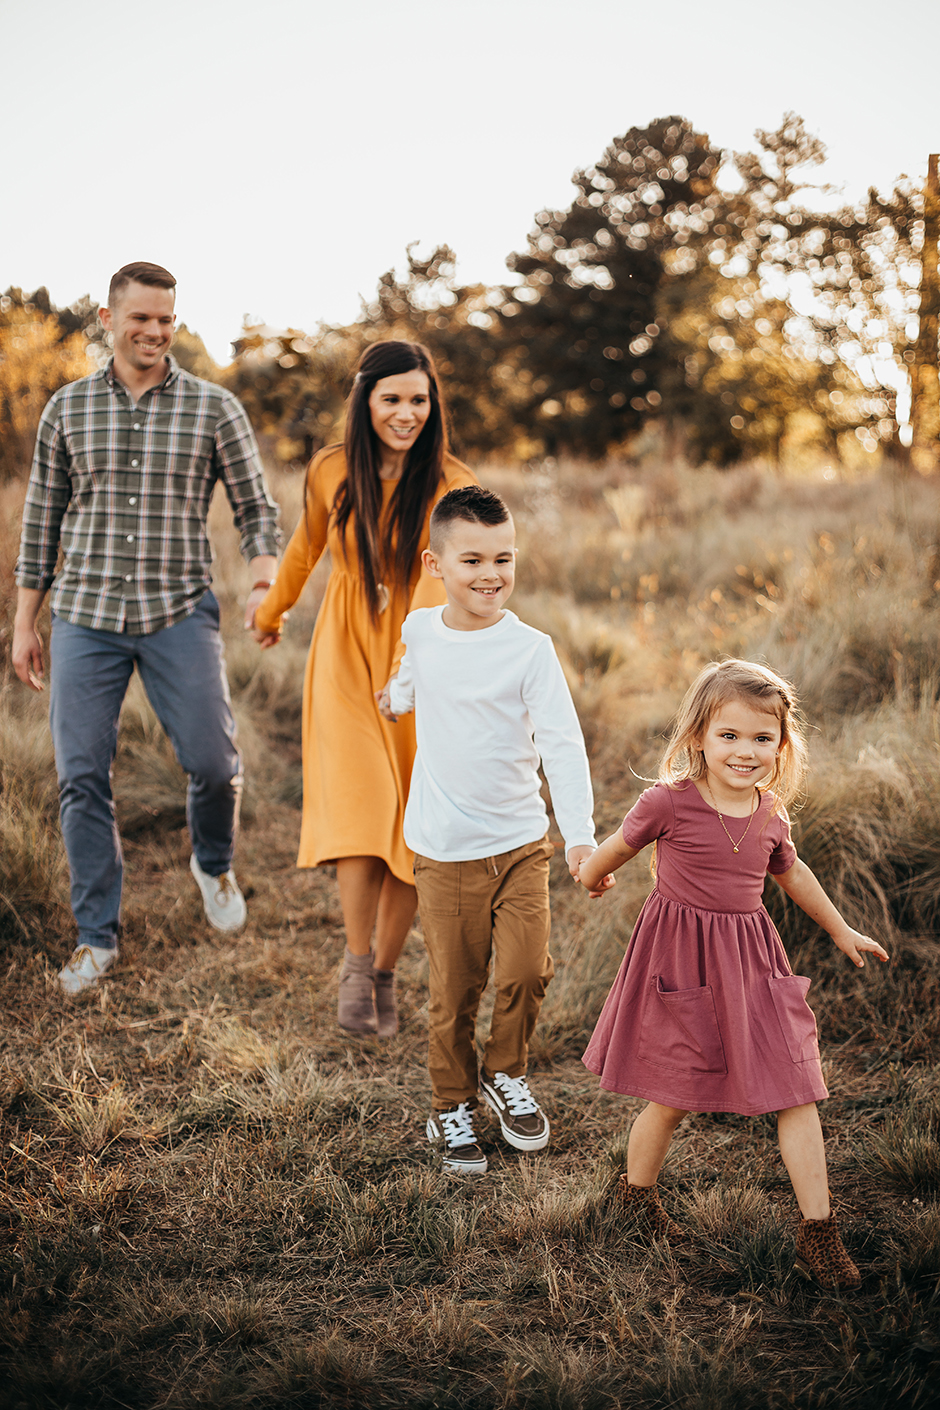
(516, 1092)
(458, 1126)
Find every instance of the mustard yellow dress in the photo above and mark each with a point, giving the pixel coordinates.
(356, 766)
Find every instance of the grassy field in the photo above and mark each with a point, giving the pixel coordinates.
(210, 1197)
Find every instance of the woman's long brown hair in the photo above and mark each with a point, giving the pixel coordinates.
(388, 554)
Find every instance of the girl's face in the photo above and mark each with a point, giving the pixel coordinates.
(740, 745)
(399, 407)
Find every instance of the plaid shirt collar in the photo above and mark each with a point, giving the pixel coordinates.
(114, 381)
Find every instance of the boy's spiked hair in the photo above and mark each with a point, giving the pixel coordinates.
(471, 504)
(754, 685)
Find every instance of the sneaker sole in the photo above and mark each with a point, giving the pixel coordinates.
(456, 1167)
(512, 1138)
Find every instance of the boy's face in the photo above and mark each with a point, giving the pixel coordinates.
(478, 566)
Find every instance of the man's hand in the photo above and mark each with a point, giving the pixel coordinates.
(264, 639)
(27, 656)
(27, 643)
(262, 569)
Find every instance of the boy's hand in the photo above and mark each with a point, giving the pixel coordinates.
(576, 857)
(850, 942)
(382, 700)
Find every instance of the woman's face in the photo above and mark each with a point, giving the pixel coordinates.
(399, 407)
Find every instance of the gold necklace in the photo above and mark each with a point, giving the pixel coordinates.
(735, 845)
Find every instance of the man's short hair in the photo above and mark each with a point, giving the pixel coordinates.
(139, 273)
(471, 504)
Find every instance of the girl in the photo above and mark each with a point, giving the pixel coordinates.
(369, 502)
(705, 1014)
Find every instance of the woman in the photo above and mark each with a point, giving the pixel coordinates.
(369, 502)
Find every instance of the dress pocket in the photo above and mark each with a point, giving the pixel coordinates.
(679, 1029)
(795, 1016)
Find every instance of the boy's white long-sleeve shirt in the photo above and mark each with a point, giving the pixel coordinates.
(487, 705)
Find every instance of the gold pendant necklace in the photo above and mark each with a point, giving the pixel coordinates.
(735, 845)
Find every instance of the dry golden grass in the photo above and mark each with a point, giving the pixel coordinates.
(211, 1197)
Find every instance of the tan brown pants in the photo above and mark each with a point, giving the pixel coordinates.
(496, 908)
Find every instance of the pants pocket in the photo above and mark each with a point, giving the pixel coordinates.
(679, 1029)
(438, 885)
(795, 1016)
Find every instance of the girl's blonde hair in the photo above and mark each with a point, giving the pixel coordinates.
(754, 685)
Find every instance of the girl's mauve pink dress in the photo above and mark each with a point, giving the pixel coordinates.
(705, 1013)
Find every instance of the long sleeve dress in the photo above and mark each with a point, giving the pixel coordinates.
(356, 766)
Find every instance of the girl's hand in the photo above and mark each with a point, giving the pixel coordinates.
(596, 870)
(850, 942)
(577, 858)
(605, 883)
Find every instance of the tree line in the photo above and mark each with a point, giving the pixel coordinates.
(684, 286)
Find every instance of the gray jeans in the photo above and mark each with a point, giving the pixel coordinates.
(183, 673)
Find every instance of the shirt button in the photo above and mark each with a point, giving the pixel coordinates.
(128, 578)
(134, 462)
(136, 425)
(133, 499)
(130, 538)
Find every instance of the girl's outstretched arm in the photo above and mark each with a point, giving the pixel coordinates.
(595, 872)
(802, 887)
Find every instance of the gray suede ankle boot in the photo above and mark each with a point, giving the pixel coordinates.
(386, 1005)
(356, 1011)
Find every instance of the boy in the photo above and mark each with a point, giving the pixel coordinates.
(490, 698)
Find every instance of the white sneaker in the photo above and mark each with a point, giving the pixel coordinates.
(223, 902)
(522, 1121)
(462, 1155)
(85, 968)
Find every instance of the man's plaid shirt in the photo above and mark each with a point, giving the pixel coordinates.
(125, 491)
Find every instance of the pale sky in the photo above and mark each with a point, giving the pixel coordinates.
(279, 155)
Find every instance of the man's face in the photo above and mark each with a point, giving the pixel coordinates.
(141, 325)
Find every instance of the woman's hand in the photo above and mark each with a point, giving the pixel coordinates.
(382, 700)
(264, 639)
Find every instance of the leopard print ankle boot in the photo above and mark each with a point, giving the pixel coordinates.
(643, 1205)
(821, 1255)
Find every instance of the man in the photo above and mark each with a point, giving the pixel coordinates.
(123, 472)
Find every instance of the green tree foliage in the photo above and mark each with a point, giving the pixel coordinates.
(699, 289)
(584, 320)
(41, 348)
(852, 270)
(193, 356)
(292, 385)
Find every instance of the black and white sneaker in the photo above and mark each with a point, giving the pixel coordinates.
(521, 1119)
(462, 1155)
